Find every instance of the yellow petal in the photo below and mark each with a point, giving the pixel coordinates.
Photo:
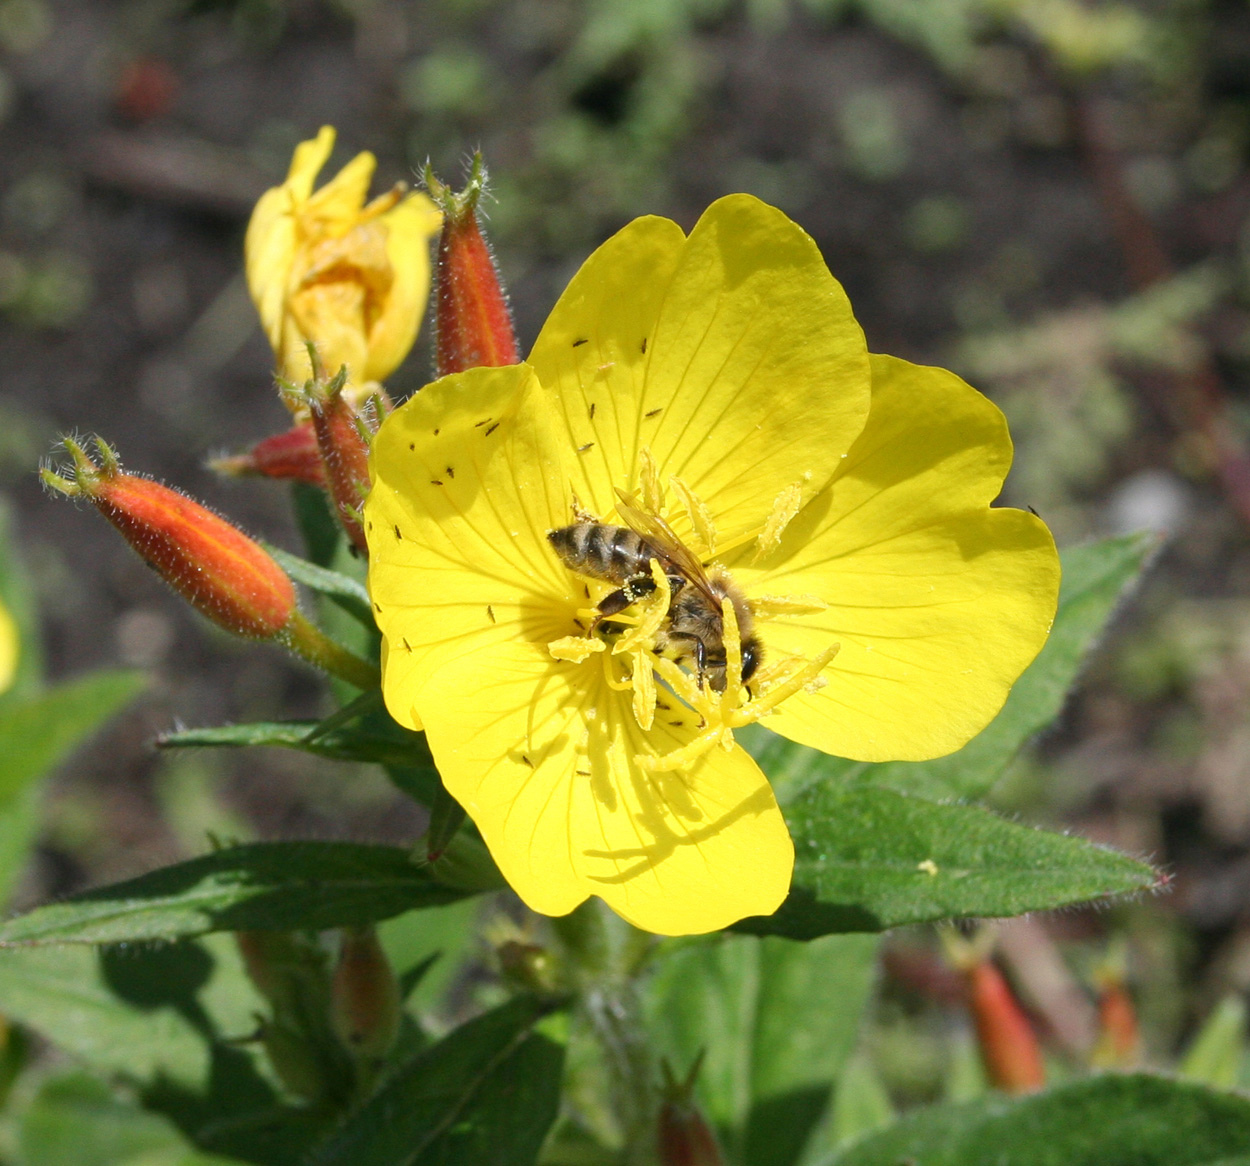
(938, 602)
(338, 203)
(273, 236)
(541, 756)
(754, 376)
(590, 352)
(8, 648)
(467, 480)
(409, 227)
(306, 164)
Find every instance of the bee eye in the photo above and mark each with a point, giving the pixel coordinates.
(750, 659)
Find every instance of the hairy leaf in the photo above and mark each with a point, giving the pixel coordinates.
(275, 886)
(345, 591)
(40, 731)
(868, 859)
(486, 1093)
(1101, 1121)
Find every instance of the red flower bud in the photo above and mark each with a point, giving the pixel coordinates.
(214, 566)
(366, 1004)
(1009, 1048)
(343, 439)
(473, 323)
(683, 1137)
(292, 456)
(1119, 1042)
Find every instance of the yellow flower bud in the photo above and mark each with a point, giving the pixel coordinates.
(324, 266)
(8, 648)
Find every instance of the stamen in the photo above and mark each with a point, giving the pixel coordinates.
(643, 680)
(763, 704)
(642, 636)
(786, 505)
(771, 606)
(574, 649)
(732, 638)
(700, 517)
(609, 675)
(687, 755)
(649, 481)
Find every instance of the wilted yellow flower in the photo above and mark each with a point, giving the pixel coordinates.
(324, 266)
(719, 383)
(8, 648)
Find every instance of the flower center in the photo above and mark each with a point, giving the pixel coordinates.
(656, 629)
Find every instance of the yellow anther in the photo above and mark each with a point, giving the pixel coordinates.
(732, 638)
(700, 517)
(649, 483)
(802, 676)
(771, 606)
(654, 612)
(688, 754)
(643, 681)
(574, 649)
(786, 505)
(682, 683)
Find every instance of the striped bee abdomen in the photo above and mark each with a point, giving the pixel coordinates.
(611, 553)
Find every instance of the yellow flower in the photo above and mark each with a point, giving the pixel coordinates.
(8, 649)
(721, 382)
(324, 266)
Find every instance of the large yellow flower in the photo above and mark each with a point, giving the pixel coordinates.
(8, 649)
(721, 382)
(324, 266)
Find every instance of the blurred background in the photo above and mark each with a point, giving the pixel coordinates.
(1051, 197)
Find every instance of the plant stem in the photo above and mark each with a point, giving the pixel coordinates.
(317, 648)
(604, 955)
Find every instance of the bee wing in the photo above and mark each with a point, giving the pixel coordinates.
(659, 535)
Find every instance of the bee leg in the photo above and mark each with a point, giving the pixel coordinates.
(625, 596)
(700, 659)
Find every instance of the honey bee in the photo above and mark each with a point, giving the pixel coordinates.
(694, 628)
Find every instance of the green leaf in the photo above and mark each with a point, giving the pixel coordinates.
(66, 996)
(263, 886)
(775, 1020)
(36, 734)
(76, 1120)
(343, 590)
(1095, 576)
(486, 1093)
(868, 859)
(166, 1018)
(39, 732)
(862, 1104)
(1101, 1121)
(375, 738)
(1216, 1054)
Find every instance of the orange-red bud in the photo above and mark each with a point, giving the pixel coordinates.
(343, 439)
(291, 456)
(683, 1137)
(366, 1004)
(1119, 1041)
(473, 323)
(214, 566)
(1009, 1048)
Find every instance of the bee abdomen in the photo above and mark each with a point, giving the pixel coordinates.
(611, 553)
